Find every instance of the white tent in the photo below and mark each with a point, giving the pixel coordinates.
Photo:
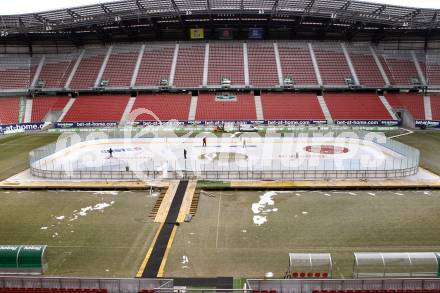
(400, 264)
(310, 265)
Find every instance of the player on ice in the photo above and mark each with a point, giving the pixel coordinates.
(204, 142)
(110, 151)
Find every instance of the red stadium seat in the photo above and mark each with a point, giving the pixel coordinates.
(97, 108)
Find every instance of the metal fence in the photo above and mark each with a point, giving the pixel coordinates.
(308, 286)
(112, 285)
(294, 168)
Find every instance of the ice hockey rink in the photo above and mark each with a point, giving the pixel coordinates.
(222, 155)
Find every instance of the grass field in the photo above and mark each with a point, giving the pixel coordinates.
(104, 242)
(14, 151)
(222, 240)
(428, 142)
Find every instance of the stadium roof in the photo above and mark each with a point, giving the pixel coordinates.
(25, 6)
(346, 15)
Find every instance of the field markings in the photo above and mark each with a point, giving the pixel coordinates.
(218, 221)
(399, 135)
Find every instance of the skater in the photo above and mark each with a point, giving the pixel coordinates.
(184, 154)
(244, 143)
(110, 151)
(204, 142)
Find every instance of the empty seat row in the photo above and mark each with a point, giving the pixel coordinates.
(41, 106)
(164, 107)
(309, 275)
(97, 108)
(281, 106)
(9, 108)
(410, 101)
(226, 60)
(347, 106)
(242, 108)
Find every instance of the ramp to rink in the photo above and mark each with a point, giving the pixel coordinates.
(154, 262)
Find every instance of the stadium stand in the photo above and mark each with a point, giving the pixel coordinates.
(97, 108)
(51, 290)
(356, 106)
(88, 69)
(289, 106)
(332, 63)
(262, 64)
(226, 60)
(120, 66)
(9, 108)
(243, 108)
(366, 68)
(435, 107)
(433, 68)
(409, 101)
(297, 63)
(16, 71)
(56, 70)
(399, 67)
(164, 106)
(42, 105)
(189, 67)
(156, 64)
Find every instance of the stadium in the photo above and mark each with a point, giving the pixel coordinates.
(159, 146)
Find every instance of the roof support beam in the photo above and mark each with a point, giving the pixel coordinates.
(177, 11)
(241, 9)
(139, 5)
(105, 9)
(40, 18)
(411, 15)
(73, 13)
(379, 10)
(300, 19)
(24, 31)
(434, 22)
(273, 11)
(345, 6)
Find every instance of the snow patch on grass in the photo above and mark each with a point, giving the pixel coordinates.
(261, 208)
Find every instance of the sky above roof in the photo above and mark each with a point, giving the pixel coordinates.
(29, 6)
